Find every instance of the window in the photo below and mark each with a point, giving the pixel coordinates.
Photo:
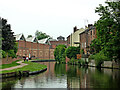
(82, 45)
(85, 44)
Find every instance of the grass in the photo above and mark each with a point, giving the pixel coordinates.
(9, 65)
(31, 67)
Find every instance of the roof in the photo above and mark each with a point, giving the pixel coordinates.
(18, 36)
(31, 39)
(43, 41)
(52, 40)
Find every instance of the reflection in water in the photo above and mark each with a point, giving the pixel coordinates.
(68, 76)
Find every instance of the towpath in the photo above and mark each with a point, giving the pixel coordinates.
(19, 66)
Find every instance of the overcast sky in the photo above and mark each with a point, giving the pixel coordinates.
(53, 17)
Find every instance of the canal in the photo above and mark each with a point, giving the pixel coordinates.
(67, 76)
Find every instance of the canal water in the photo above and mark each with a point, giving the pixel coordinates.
(67, 76)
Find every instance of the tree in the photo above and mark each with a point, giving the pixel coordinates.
(71, 52)
(59, 53)
(108, 30)
(41, 35)
(9, 44)
(29, 36)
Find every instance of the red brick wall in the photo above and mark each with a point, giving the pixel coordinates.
(87, 36)
(10, 60)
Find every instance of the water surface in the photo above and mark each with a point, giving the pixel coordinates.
(67, 76)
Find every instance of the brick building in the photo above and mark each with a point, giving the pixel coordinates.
(73, 39)
(87, 36)
(53, 42)
(32, 48)
(37, 49)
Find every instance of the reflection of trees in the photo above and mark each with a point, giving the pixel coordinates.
(60, 69)
(72, 71)
(102, 80)
(8, 83)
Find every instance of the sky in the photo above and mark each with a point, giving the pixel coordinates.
(53, 17)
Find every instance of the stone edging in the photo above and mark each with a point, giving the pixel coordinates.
(20, 73)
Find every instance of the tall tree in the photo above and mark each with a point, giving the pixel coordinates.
(41, 35)
(8, 40)
(108, 30)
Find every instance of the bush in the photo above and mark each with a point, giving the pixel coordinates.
(59, 53)
(73, 61)
(12, 54)
(71, 52)
(99, 58)
(4, 55)
(81, 62)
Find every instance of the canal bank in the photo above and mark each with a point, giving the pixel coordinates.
(67, 76)
(27, 68)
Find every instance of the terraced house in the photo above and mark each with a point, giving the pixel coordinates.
(37, 49)
(86, 37)
(32, 48)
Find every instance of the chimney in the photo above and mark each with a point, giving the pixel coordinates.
(75, 29)
(89, 25)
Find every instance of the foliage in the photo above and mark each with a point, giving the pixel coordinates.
(82, 51)
(99, 58)
(29, 36)
(11, 53)
(59, 53)
(4, 55)
(41, 35)
(108, 31)
(71, 52)
(73, 61)
(9, 45)
(8, 40)
(81, 62)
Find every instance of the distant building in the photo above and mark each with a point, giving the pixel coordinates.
(53, 42)
(32, 48)
(73, 39)
(86, 37)
(60, 38)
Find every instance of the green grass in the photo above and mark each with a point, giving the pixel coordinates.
(9, 65)
(31, 67)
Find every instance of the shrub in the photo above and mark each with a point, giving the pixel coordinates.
(71, 52)
(59, 53)
(4, 55)
(99, 58)
(12, 54)
(81, 62)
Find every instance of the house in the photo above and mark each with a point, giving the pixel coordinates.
(86, 37)
(32, 48)
(73, 39)
(60, 41)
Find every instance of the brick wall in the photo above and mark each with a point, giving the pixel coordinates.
(10, 60)
(86, 38)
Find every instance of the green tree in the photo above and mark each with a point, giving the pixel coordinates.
(41, 35)
(9, 44)
(29, 36)
(71, 52)
(59, 53)
(108, 30)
